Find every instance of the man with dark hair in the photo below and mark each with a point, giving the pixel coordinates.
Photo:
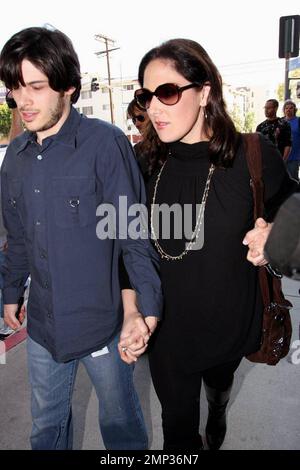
(54, 177)
(276, 129)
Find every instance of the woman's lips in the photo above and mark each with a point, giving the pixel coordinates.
(161, 124)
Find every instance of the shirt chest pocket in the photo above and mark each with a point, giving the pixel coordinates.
(74, 201)
(15, 192)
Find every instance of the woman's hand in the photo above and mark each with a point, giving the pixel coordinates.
(256, 239)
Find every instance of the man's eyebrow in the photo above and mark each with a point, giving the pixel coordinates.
(35, 82)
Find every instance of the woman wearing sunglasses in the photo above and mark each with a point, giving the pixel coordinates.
(213, 309)
(146, 151)
(140, 119)
(138, 116)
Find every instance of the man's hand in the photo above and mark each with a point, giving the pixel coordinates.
(136, 329)
(256, 239)
(151, 322)
(10, 319)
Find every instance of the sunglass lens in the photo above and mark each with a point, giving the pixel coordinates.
(167, 93)
(139, 118)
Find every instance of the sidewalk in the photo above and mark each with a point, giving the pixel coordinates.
(263, 411)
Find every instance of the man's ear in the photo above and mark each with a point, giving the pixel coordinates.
(70, 91)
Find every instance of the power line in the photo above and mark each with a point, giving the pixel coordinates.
(253, 62)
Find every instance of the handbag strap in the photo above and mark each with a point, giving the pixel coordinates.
(270, 286)
(254, 162)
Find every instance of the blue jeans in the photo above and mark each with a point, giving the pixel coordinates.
(120, 416)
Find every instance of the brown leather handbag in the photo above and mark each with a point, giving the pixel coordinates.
(276, 325)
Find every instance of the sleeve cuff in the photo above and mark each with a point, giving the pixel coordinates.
(12, 295)
(150, 303)
(123, 276)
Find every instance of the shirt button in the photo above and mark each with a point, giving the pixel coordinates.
(46, 285)
(39, 157)
(38, 222)
(49, 314)
(36, 190)
(43, 255)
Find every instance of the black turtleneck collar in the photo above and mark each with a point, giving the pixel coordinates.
(182, 151)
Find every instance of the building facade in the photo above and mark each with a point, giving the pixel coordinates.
(98, 103)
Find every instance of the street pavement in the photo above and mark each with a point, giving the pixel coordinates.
(263, 412)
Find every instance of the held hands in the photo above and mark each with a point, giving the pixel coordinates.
(10, 318)
(256, 239)
(135, 334)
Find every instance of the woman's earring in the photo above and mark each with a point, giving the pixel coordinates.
(205, 113)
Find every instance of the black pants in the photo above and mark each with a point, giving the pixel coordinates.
(179, 395)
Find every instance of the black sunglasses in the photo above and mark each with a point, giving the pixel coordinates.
(139, 118)
(168, 94)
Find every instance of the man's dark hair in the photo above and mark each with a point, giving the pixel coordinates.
(51, 51)
(290, 103)
(274, 102)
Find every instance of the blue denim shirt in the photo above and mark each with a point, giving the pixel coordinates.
(50, 194)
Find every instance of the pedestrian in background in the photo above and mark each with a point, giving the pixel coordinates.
(138, 116)
(293, 161)
(146, 151)
(276, 129)
(140, 119)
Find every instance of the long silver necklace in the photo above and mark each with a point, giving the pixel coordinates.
(199, 221)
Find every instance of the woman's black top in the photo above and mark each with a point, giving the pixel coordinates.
(213, 308)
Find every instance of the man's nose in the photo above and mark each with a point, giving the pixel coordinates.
(22, 97)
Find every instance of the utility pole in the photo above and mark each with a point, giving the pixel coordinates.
(108, 42)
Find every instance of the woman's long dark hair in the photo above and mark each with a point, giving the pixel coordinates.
(192, 62)
(154, 150)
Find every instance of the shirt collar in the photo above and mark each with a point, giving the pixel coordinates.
(66, 135)
(27, 138)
